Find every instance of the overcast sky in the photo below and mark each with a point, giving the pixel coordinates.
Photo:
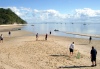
(55, 10)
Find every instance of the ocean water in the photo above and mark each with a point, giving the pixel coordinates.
(43, 28)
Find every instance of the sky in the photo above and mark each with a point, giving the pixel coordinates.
(35, 11)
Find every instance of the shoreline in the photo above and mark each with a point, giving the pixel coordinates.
(88, 35)
(16, 27)
(11, 27)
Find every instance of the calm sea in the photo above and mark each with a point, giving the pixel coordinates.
(83, 28)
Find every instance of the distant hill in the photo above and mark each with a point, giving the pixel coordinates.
(9, 17)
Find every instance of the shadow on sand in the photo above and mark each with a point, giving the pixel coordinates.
(73, 66)
(59, 55)
(83, 44)
(41, 40)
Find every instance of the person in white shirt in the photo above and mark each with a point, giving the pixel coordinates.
(71, 48)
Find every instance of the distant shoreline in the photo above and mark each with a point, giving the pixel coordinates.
(11, 27)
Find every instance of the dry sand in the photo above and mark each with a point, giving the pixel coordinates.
(22, 51)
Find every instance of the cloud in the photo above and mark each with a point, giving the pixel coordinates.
(86, 15)
(48, 15)
(51, 15)
(24, 13)
(85, 12)
(14, 9)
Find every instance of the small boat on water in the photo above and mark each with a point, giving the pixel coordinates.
(32, 25)
(84, 24)
(72, 23)
(56, 30)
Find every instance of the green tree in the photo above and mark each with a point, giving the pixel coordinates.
(9, 17)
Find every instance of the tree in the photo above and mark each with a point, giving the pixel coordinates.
(9, 17)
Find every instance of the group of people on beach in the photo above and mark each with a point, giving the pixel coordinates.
(93, 52)
(72, 46)
(37, 36)
(1, 36)
(46, 36)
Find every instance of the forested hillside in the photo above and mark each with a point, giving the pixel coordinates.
(9, 17)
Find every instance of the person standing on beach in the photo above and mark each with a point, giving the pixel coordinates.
(90, 39)
(71, 48)
(9, 33)
(1, 38)
(50, 32)
(93, 56)
(36, 36)
(46, 36)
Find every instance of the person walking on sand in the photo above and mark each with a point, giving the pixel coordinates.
(93, 56)
(36, 36)
(90, 39)
(46, 36)
(71, 48)
(1, 38)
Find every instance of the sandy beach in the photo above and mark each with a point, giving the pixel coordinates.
(22, 51)
(10, 27)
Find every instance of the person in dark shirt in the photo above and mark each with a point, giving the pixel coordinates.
(9, 33)
(46, 36)
(50, 32)
(93, 56)
(1, 38)
(36, 36)
(90, 39)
